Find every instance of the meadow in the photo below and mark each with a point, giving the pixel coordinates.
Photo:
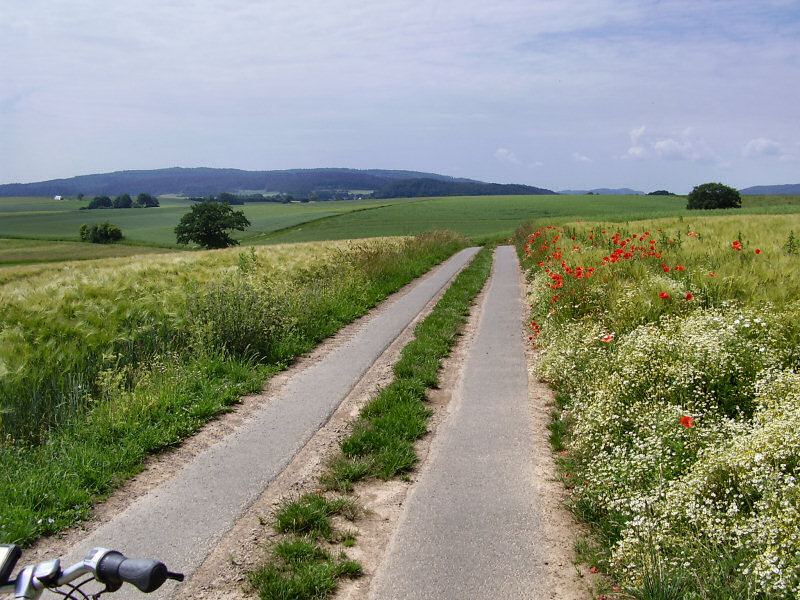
(674, 347)
(54, 224)
(681, 449)
(104, 362)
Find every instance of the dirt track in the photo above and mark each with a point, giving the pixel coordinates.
(221, 571)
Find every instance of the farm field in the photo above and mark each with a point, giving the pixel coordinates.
(46, 219)
(103, 362)
(682, 449)
(478, 217)
(496, 217)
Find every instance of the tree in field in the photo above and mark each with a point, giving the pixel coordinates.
(103, 233)
(207, 225)
(713, 195)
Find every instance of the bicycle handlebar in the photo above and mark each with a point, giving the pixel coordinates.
(109, 567)
(146, 574)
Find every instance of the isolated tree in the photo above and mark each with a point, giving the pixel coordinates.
(122, 201)
(713, 195)
(102, 233)
(207, 224)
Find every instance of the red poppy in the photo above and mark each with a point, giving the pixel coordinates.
(687, 421)
(663, 295)
(758, 251)
(607, 338)
(689, 296)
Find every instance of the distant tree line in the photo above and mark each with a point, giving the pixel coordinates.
(240, 199)
(426, 187)
(660, 193)
(123, 201)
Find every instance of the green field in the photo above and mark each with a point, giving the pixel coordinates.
(46, 219)
(477, 217)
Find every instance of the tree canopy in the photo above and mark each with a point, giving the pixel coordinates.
(713, 195)
(102, 233)
(207, 224)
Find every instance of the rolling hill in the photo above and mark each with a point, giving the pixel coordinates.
(204, 181)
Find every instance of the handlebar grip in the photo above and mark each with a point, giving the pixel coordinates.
(146, 574)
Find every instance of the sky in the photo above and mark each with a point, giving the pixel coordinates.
(560, 94)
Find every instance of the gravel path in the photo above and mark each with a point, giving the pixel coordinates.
(181, 521)
(472, 527)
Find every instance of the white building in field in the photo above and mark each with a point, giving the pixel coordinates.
(57, 197)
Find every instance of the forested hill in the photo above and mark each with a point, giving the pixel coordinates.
(767, 190)
(204, 181)
(428, 187)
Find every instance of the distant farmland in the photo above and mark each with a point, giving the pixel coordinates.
(478, 217)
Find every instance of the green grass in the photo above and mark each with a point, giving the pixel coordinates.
(301, 570)
(380, 445)
(45, 219)
(120, 358)
(15, 252)
(479, 217)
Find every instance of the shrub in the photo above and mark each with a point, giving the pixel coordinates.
(102, 233)
(713, 195)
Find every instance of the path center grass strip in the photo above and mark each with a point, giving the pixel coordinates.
(381, 445)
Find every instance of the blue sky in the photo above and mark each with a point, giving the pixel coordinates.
(560, 94)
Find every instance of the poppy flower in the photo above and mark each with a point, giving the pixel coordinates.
(607, 338)
(689, 296)
(758, 251)
(687, 421)
(663, 295)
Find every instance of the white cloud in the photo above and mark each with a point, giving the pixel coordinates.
(576, 156)
(683, 145)
(766, 148)
(507, 155)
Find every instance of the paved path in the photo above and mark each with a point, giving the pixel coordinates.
(470, 526)
(181, 521)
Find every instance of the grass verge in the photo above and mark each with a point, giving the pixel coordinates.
(102, 365)
(380, 446)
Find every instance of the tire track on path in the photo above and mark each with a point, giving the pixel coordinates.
(477, 523)
(181, 521)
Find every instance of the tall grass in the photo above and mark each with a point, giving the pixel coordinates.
(95, 359)
(674, 346)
